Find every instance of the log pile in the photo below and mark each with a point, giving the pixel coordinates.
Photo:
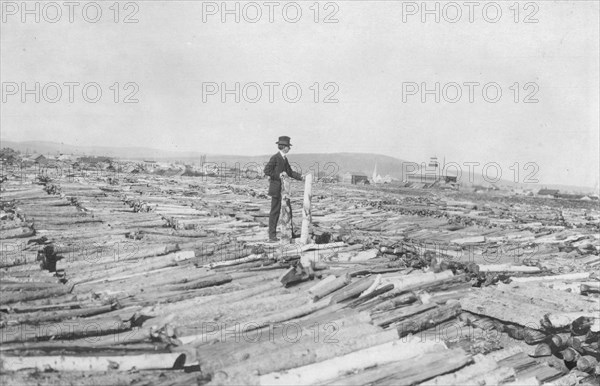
(159, 279)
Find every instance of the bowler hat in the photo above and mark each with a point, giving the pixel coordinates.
(284, 141)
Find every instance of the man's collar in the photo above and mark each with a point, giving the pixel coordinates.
(282, 154)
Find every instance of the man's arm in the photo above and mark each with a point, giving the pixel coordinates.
(270, 167)
(292, 173)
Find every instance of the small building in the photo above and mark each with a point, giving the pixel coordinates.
(422, 178)
(548, 192)
(569, 196)
(65, 158)
(355, 178)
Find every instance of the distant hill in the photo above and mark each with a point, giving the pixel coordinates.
(55, 148)
(331, 163)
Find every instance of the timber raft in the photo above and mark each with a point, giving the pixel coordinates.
(168, 280)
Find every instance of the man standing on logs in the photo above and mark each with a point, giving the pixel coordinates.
(279, 164)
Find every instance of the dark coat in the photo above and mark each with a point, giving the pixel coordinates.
(277, 164)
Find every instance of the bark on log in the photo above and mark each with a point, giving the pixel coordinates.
(390, 304)
(207, 281)
(427, 319)
(508, 268)
(13, 297)
(412, 372)
(98, 363)
(567, 276)
(69, 329)
(384, 319)
(46, 316)
(330, 287)
(352, 290)
(324, 371)
(366, 298)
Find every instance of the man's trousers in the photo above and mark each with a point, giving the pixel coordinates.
(274, 215)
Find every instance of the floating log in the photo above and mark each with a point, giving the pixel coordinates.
(587, 363)
(427, 319)
(47, 316)
(411, 372)
(68, 329)
(392, 303)
(366, 298)
(202, 282)
(321, 372)
(330, 287)
(567, 276)
(386, 318)
(96, 363)
(508, 268)
(352, 290)
(7, 297)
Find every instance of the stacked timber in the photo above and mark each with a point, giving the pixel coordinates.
(168, 279)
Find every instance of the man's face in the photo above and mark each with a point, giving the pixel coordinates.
(285, 149)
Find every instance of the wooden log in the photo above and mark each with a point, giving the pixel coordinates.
(590, 289)
(427, 319)
(321, 283)
(444, 296)
(587, 363)
(485, 371)
(134, 270)
(566, 276)
(306, 210)
(97, 363)
(416, 282)
(69, 329)
(203, 282)
(321, 372)
(364, 299)
(262, 322)
(560, 320)
(352, 290)
(30, 286)
(376, 284)
(392, 303)
(247, 259)
(286, 356)
(330, 287)
(335, 246)
(508, 268)
(46, 316)
(14, 297)
(50, 307)
(383, 319)
(412, 372)
(267, 350)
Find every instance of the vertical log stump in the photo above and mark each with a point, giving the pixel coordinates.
(306, 212)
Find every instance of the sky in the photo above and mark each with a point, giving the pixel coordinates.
(371, 60)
